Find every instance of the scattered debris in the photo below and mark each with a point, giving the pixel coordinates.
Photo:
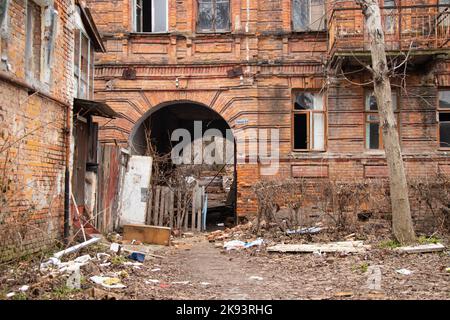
(343, 294)
(237, 244)
(11, 294)
(156, 270)
(221, 224)
(404, 272)
(205, 283)
(422, 248)
(83, 259)
(311, 230)
(256, 278)
(151, 281)
(107, 282)
(374, 278)
(24, 288)
(104, 265)
(188, 234)
(181, 282)
(74, 279)
(115, 247)
(99, 294)
(343, 246)
(137, 256)
(75, 248)
(448, 269)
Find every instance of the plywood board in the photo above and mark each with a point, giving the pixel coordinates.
(147, 234)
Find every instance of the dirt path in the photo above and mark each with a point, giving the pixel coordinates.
(198, 270)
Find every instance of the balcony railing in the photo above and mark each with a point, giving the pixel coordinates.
(417, 27)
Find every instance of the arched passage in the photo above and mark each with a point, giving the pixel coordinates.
(215, 169)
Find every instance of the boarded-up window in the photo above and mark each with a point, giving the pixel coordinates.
(308, 15)
(374, 139)
(213, 16)
(308, 121)
(151, 15)
(33, 47)
(444, 118)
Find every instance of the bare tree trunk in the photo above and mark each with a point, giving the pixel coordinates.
(401, 213)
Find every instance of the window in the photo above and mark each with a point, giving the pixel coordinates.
(308, 121)
(83, 66)
(213, 16)
(151, 16)
(33, 47)
(444, 118)
(390, 15)
(374, 139)
(308, 15)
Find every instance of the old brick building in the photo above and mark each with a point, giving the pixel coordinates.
(46, 69)
(287, 65)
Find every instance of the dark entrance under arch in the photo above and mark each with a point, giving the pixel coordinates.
(152, 136)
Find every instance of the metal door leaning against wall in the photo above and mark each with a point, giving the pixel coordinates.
(135, 190)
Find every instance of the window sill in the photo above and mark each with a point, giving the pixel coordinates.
(145, 34)
(307, 32)
(212, 33)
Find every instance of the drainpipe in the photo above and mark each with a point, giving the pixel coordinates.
(67, 191)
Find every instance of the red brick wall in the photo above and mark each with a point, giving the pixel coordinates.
(275, 62)
(32, 140)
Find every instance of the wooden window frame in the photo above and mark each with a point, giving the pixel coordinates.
(440, 110)
(135, 21)
(324, 23)
(213, 31)
(29, 74)
(90, 67)
(309, 113)
(367, 113)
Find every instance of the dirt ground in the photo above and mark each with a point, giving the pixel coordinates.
(196, 269)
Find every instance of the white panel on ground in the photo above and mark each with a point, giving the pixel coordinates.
(134, 193)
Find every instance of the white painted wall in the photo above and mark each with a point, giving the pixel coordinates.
(136, 181)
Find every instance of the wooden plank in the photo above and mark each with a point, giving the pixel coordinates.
(194, 194)
(171, 208)
(422, 248)
(185, 213)
(344, 246)
(148, 219)
(179, 210)
(162, 206)
(199, 208)
(147, 234)
(157, 199)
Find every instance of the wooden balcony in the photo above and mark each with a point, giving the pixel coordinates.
(422, 30)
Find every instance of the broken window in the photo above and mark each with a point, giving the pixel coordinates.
(308, 121)
(213, 16)
(374, 138)
(308, 15)
(83, 66)
(444, 118)
(390, 15)
(33, 48)
(151, 16)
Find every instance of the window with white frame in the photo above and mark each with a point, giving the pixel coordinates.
(308, 121)
(213, 16)
(444, 118)
(308, 15)
(33, 44)
(151, 16)
(373, 133)
(83, 66)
